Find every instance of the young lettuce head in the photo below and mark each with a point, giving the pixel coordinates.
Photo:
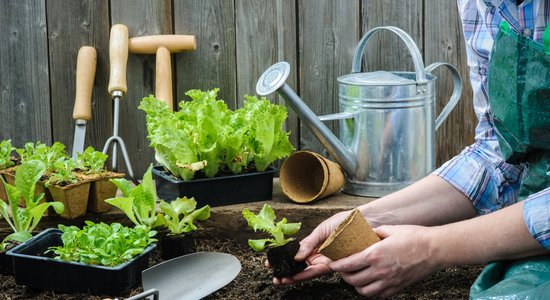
(206, 136)
(265, 221)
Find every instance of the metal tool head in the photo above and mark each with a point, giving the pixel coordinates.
(79, 137)
(191, 276)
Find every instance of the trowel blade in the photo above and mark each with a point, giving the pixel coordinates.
(191, 276)
(79, 137)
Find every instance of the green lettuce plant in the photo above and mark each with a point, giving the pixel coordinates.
(205, 136)
(138, 202)
(23, 220)
(5, 154)
(265, 221)
(91, 161)
(102, 244)
(178, 215)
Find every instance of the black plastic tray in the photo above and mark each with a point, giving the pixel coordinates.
(34, 269)
(216, 191)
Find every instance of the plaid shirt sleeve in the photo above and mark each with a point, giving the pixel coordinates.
(479, 171)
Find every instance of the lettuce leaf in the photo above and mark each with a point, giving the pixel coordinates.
(205, 136)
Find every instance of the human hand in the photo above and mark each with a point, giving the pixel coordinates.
(317, 263)
(403, 257)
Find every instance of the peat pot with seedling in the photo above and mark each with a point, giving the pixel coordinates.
(216, 155)
(281, 250)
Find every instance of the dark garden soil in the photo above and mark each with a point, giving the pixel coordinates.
(255, 282)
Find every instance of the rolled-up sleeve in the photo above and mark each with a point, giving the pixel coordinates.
(536, 212)
(484, 177)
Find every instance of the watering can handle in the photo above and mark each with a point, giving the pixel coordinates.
(455, 97)
(415, 53)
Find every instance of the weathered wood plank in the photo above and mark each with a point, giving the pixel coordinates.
(212, 64)
(143, 17)
(328, 34)
(385, 51)
(84, 23)
(24, 84)
(445, 42)
(266, 34)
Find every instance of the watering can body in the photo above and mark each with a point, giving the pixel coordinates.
(387, 120)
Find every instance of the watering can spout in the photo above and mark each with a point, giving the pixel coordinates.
(273, 79)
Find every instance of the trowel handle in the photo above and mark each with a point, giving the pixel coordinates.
(85, 75)
(150, 44)
(163, 79)
(118, 58)
(415, 53)
(455, 97)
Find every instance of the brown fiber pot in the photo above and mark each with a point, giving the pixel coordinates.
(74, 197)
(353, 235)
(307, 176)
(100, 189)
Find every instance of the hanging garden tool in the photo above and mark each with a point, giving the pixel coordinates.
(118, 58)
(82, 112)
(163, 46)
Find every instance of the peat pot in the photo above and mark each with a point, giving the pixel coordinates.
(35, 269)
(387, 120)
(216, 191)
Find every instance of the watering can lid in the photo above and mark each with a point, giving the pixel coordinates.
(375, 78)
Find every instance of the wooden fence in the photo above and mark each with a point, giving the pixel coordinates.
(236, 41)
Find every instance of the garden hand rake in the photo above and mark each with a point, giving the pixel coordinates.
(118, 58)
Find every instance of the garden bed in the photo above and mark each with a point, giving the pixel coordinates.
(225, 232)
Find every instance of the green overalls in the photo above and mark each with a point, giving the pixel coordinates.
(519, 93)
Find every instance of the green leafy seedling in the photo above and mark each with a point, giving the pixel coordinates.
(5, 154)
(23, 220)
(265, 221)
(92, 161)
(178, 215)
(102, 244)
(138, 202)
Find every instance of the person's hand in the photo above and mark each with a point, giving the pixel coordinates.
(317, 263)
(403, 257)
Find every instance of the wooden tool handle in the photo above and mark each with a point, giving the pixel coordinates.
(118, 58)
(85, 75)
(163, 87)
(150, 44)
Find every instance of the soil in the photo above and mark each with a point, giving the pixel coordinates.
(255, 282)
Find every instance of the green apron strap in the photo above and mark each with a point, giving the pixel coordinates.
(546, 38)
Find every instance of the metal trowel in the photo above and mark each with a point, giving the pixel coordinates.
(191, 276)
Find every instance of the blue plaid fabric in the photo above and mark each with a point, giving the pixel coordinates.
(479, 171)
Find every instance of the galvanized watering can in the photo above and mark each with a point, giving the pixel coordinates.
(387, 120)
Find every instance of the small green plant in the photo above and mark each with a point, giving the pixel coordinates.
(5, 154)
(62, 173)
(47, 155)
(23, 220)
(92, 161)
(102, 244)
(178, 215)
(138, 202)
(265, 221)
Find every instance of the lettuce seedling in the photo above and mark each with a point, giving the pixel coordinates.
(102, 244)
(178, 215)
(5, 154)
(92, 161)
(265, 221)
(139, 202)
(23, 220)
